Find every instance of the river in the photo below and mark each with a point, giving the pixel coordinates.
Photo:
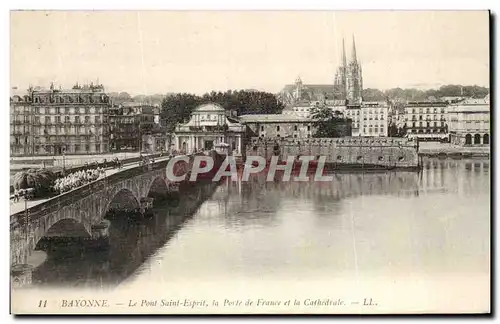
(420, 232)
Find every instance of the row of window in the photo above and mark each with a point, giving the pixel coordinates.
(67, 131)
(421, 117)
(72, 99)
(77, 148)
(373, 112)
(428, 124)
(375, 118)
(374, 130)
(51, 139)
(426, 131)
(294, 135)
(278, 128)
(76, 119)
(69, 110)
(425, 110)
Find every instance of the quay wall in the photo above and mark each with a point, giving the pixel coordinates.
(358, 152)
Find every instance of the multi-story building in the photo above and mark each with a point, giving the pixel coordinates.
(374, 119)
(59, 121)
(426, 120)
(21, 126)
(469, 122)
(131, 126)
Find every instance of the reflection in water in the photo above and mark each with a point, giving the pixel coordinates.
(360, 224)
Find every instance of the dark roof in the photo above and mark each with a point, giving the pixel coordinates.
(322, 88)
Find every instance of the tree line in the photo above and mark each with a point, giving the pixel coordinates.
(412, 94)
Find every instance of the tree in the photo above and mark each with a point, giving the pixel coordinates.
(329, 123)
(392, 130)
(41, 180)
(373, 95)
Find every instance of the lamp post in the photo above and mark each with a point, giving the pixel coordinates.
(26, 217)
(64, 159)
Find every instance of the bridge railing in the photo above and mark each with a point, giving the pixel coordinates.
(57, 202)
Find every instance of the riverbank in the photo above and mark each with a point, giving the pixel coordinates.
(432, 149)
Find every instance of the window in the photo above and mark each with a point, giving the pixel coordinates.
(47, 120)
(87, 119)
(97, 147)
(97, 119)
(87, 147)
(58, 119)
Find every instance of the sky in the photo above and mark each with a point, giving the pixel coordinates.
(148, 52)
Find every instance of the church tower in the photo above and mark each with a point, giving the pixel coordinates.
(354, 78)
(298, 88)
(340, 82)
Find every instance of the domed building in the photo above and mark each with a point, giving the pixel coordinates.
(209, 126)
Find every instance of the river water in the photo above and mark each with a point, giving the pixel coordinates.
(424, 233)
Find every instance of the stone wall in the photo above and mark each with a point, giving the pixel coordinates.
(357, 151)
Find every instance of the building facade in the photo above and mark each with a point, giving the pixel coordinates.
(426, 120)
(278, 125)
(56, 122)
(131, 126)
(469, 122)
(21, 126)
(374, 119)
(209, 126)
(288, 126)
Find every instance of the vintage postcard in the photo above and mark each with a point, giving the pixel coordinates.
(250, 162)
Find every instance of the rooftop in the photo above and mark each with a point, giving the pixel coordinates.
(210, 107)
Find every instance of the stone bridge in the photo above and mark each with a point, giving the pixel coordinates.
(82, 211)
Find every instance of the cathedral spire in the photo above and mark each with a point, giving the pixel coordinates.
(344, 63)
(354, 58)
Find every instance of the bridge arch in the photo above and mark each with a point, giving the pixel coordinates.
(158, 188)
(122, 199)
(67, 228)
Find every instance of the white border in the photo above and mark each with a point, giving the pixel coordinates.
(191, 5)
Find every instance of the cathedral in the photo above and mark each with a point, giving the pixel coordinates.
(346, 89)
(348, 84)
